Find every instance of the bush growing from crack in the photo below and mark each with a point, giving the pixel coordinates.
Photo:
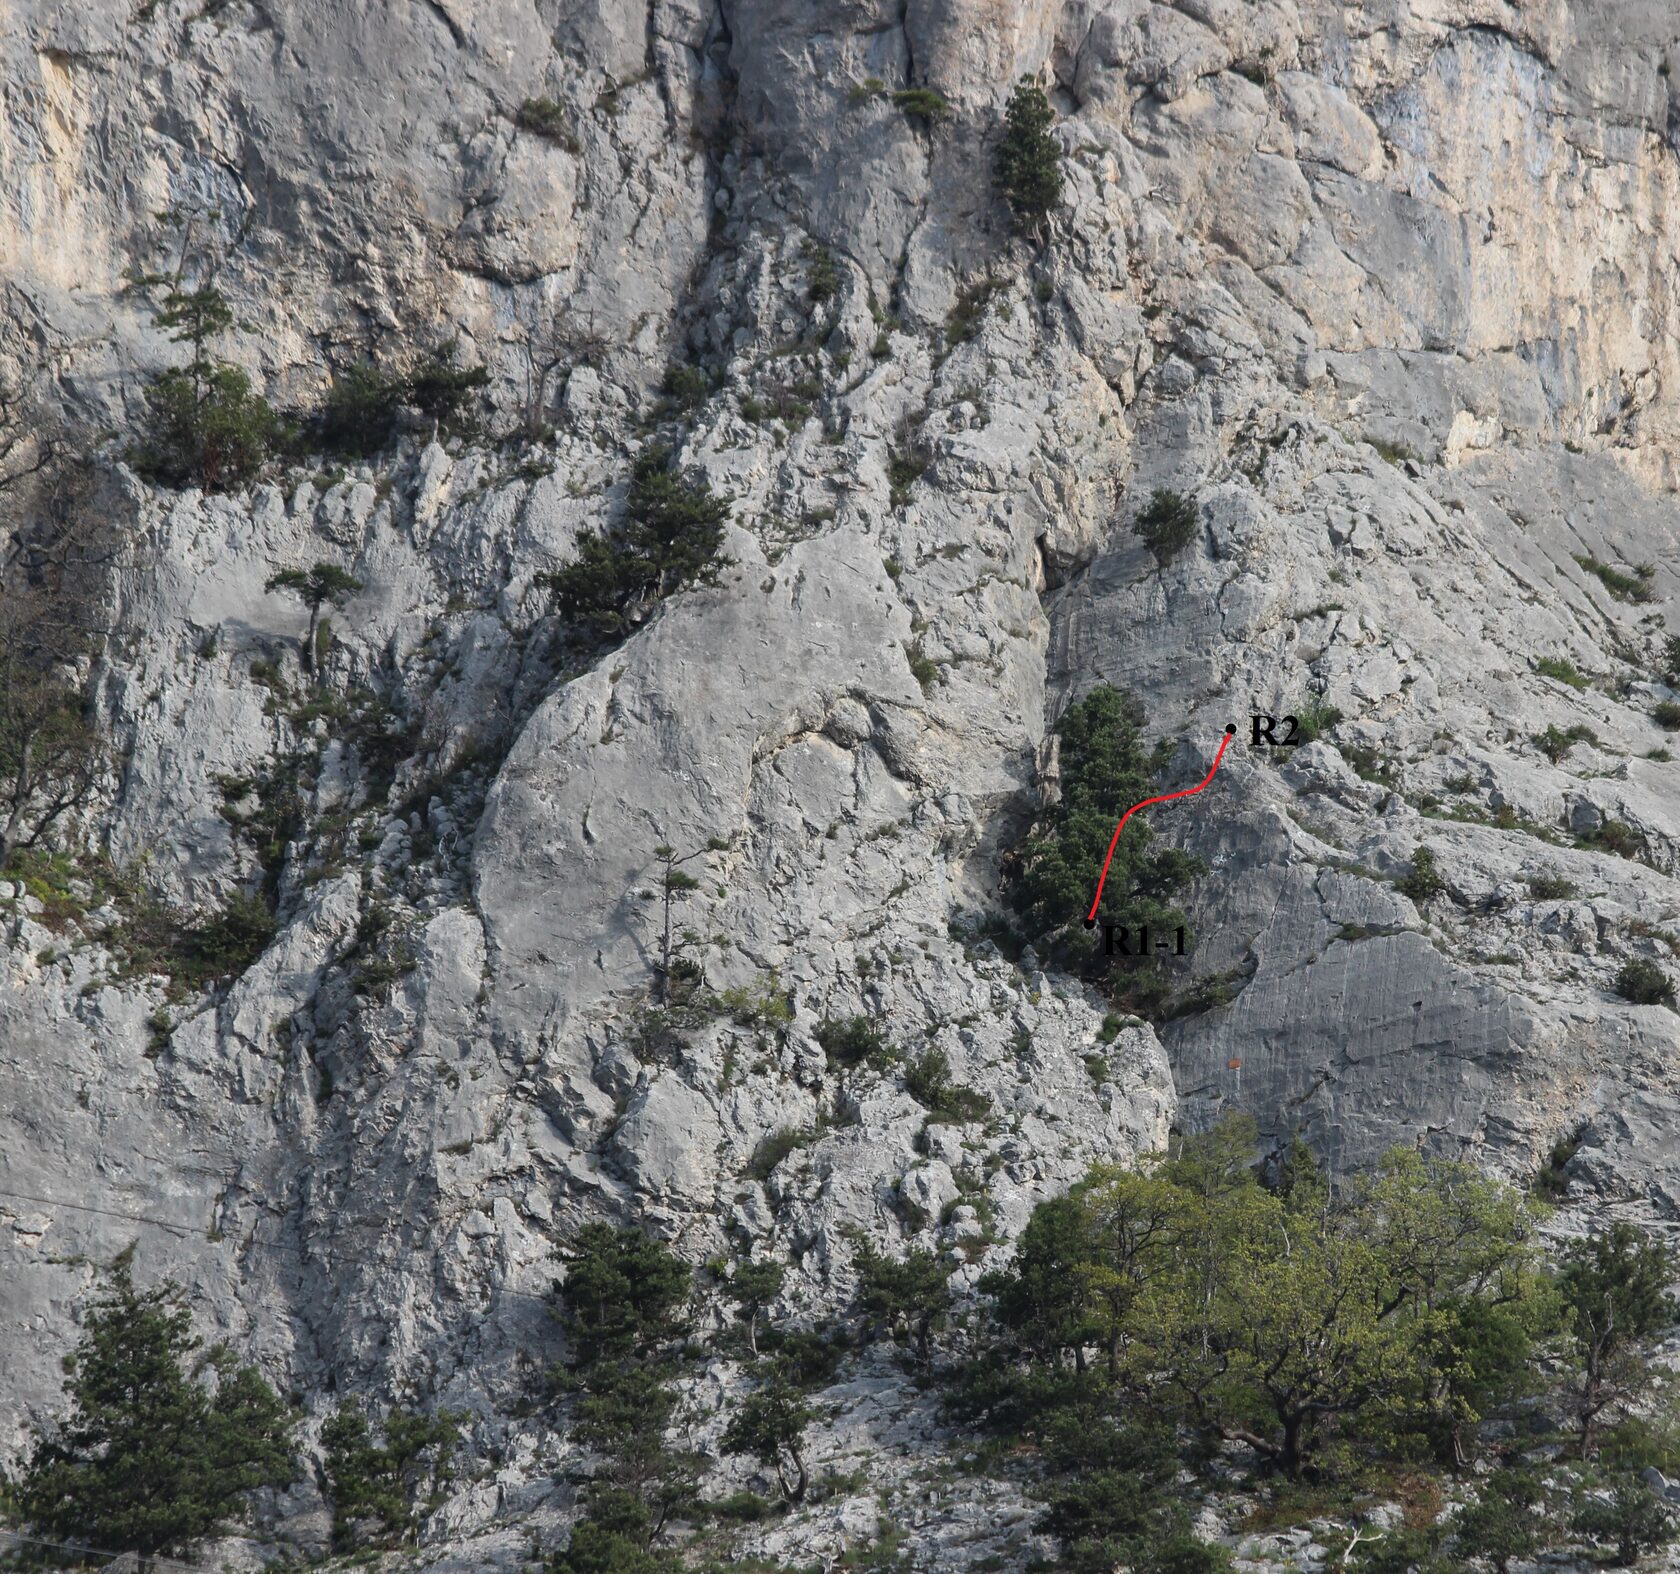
(1423, 880)
(1168, 523)
(671, 537)
(1317, 717)
(927, 1079)
(922, 103)
(851, 1042)
(1644, 983)
(544, 117)
(822, 281)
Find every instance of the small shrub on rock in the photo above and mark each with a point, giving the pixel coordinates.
(1561, 669)
(1424, 879)
(772, 1150)
(545, 118)
(852, 1042)
(1167, 523)
(823, 276)
(927, 1080)
(922, 103)
(1317, 717)
(1633, 1519)
(1644, 983)
(1635, 587)
(1555, 742)
(684, 386)
(361, 410)
(1666, 714)
(1508, 1521)
(231, 941)
(1671, 660)
(671, 537)
(1614, 836)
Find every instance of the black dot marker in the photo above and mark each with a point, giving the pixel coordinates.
(1090, 923)
(1230, 729)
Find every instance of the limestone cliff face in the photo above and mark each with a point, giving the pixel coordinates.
(1390, 288)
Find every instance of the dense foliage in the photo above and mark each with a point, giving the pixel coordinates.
(1168, 523)
(1029, 159)
(364, 405)
(670, 537)
(204, 425)
(1153, 1318)
(624, 1304)
(1394, 1310)
(378, 1488)
(160, 1446)
(1105, 769)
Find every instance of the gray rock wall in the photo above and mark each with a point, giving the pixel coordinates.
(1390, 290)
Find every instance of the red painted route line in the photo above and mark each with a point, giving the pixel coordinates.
(1166, 797)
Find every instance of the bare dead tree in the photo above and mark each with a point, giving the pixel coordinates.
(56, 547)
(546, 348)
(51, 755)
(30, 442)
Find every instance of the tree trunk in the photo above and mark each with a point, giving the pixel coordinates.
(22, 786)
(1290, 1454)
(665, 947)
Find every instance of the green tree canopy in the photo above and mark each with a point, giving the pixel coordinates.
(769, 1424)
(162, 1441)
(318, 586)
(1105, 769)
(204, 425)
(753, 1286)
(1029, 159)
(437, 387)
(381, 1485)
(670, 537)
(1614, 1290)
(1282, 1318)
(624, 1293)
(912, 1293)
